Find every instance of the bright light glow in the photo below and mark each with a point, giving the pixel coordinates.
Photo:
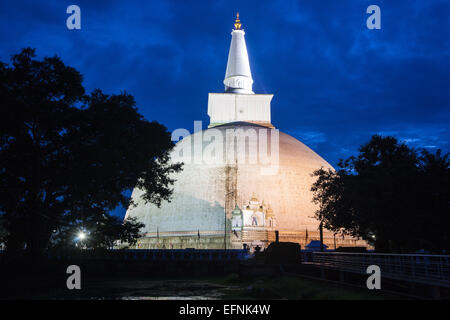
(81, 235)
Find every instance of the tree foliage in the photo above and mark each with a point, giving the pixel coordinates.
(101, 232)
(70, 156)
(390, 195)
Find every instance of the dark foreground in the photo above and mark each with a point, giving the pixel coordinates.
(187, 274)
(186, 288)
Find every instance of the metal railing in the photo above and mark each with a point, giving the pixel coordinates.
(428, 269)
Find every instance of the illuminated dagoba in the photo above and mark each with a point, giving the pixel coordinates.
(223, 199)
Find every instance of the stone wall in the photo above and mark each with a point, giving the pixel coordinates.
(236, 240)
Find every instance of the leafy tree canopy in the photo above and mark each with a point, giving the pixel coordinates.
(390, 195)
(96, 232)
(70, 156)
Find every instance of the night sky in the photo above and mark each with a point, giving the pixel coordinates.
(335, 82)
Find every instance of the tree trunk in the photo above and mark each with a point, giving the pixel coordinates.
(38, 237)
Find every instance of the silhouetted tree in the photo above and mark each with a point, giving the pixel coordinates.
(3, 231)
(65, 155)
(390, 195)
(433, 210)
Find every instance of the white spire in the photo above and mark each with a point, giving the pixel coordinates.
(238, 77)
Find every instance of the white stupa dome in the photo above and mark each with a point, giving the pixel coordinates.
(200, 189)
(243, 181)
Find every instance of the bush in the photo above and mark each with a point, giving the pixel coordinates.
(283, 253)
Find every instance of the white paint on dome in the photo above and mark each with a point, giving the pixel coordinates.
(200, 188)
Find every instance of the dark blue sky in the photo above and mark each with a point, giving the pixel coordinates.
(335, 82)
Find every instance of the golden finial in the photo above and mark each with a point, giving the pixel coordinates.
(237, 25)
